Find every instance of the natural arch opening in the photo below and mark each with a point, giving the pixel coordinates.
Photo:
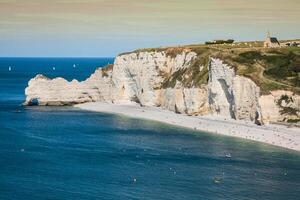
(33, 102)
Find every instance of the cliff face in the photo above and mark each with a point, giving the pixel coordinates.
(231, 95)
(140, 77)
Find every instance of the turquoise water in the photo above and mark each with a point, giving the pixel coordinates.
(64, 153)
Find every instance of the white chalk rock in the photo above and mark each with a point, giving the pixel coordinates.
(138, 78)
(56, 92)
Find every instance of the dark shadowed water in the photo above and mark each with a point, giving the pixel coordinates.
(65, 153)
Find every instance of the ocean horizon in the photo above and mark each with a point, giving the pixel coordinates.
(67, 153)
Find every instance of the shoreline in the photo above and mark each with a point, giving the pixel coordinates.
(276, 135)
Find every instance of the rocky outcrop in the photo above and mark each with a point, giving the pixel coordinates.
(280, 105)
(57, 92)
(139, 77)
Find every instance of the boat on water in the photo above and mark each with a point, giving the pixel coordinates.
(9, 68)
(53, 68)
(228, 155)
(217, 180)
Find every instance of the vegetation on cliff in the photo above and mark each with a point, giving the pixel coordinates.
(270, 69)
(194, 76)
(286, 109)
(107, 69)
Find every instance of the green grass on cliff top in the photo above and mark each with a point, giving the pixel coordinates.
(270, 69)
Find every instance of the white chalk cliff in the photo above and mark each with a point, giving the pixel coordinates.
(139, 77)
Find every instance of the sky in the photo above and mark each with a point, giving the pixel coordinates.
(105, 28)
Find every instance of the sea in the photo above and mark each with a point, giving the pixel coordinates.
(64, 153)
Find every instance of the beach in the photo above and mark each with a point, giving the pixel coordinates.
(277, 135)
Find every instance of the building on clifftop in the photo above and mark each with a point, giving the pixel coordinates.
(271, 42)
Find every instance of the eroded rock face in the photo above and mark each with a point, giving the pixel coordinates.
(221, 99)
(246, 100)
(230, 95)
(138, 77)
(191, 101)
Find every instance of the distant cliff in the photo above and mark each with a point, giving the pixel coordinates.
(233, 81)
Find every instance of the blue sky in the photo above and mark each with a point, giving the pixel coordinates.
(99, 28)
